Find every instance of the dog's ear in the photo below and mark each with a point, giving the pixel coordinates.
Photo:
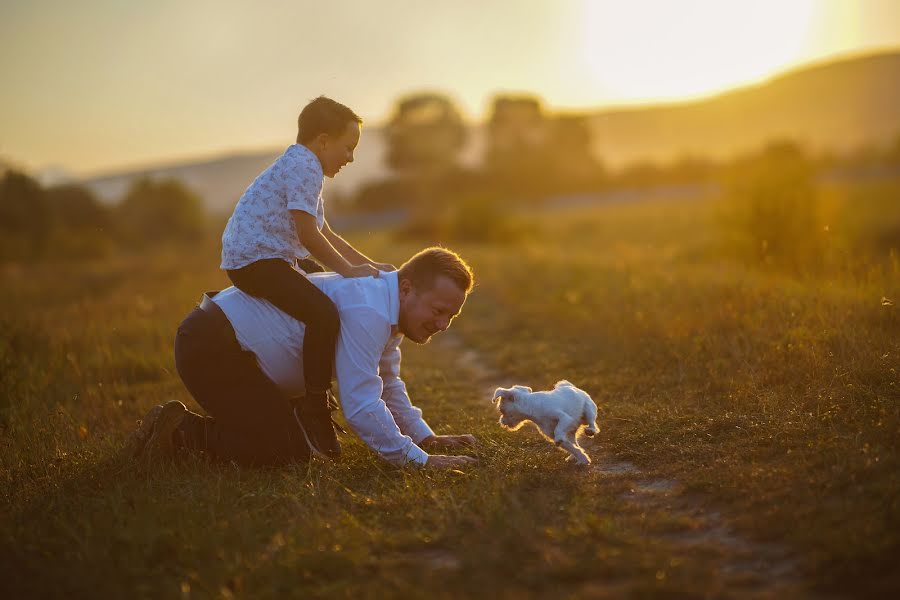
(502, 394)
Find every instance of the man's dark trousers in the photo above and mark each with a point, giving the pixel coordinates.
(251, 421)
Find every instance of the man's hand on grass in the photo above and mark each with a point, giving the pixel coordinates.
(449, 442)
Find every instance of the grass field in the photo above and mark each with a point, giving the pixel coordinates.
(767, 404)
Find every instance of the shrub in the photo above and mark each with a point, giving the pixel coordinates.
(25, 217)
(474, 218)
(161, 210)
(771, 204)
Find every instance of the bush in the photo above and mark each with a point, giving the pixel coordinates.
(67, 222)
(25, 217)
(771, 205)
(474, 218)
(155, 211)
(76, 209)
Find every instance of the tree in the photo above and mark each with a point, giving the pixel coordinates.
(773, 202)
(425, 134)
(569, 152)
(77, 209)
(25, 216)
(517, 133)
(161, 210)
(532, 154)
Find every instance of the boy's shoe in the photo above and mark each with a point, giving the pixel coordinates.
(314, 419)
(161, 445)
(137, 439)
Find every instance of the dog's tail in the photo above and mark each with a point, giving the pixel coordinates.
(589, 418)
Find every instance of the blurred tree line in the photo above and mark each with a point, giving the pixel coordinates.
(773, 205)
(783, 208)
(68, 221)
(774, 210)
(530, 154)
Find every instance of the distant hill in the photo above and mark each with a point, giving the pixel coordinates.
(219, 181)
(837, 106)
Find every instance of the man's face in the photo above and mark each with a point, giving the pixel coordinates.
(335, 151)
(424, 313)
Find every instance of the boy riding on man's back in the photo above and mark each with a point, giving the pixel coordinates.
(278, 222)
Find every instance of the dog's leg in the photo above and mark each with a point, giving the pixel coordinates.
(564, 436)
(547, 427)
(565, 427)
(590, 418)
(577, 454)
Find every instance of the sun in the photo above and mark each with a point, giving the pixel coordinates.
(645, 50)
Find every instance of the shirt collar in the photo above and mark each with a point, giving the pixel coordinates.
(304, 151)
(393, 286)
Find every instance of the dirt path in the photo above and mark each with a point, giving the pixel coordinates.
(751, 569)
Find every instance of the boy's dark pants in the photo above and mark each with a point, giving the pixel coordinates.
(251, 420)
(274, 280)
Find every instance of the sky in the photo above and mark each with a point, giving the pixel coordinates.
(95, 86)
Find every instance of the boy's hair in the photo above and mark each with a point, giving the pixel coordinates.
(323, 115)
(422, 269)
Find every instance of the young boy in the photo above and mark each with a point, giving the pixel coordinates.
(280, 220)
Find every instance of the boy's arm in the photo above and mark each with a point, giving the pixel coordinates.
(351, 254)
(323, 251)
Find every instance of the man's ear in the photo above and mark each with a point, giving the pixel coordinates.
(405, 286)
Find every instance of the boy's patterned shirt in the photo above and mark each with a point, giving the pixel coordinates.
(261, 225)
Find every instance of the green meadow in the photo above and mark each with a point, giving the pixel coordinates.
(749, 416)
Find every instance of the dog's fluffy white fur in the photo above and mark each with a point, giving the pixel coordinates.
(559, 414)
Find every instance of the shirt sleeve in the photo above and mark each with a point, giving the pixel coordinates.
(303, 185)
(408, 417)
(359, 353)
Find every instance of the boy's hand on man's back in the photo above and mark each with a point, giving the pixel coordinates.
(361, 271)
(384, 267)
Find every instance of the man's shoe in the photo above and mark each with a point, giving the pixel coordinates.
(316, 424)
(137, 439)
(161, 445)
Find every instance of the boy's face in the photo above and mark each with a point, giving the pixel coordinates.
(335, 151)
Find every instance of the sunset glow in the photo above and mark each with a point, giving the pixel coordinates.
(655, 50)
(97, 86)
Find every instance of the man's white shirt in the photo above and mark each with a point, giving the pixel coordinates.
(262, 225)
(367, 362)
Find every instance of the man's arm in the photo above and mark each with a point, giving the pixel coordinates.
(409, 417)
(360, 349)
(360, 346)
(322, 249)
(348, 252)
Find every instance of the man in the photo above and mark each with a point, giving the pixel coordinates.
(240, 358)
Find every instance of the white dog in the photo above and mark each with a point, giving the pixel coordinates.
(559, 414)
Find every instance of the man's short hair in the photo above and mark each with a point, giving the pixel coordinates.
(323, 115)
(424, 268)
